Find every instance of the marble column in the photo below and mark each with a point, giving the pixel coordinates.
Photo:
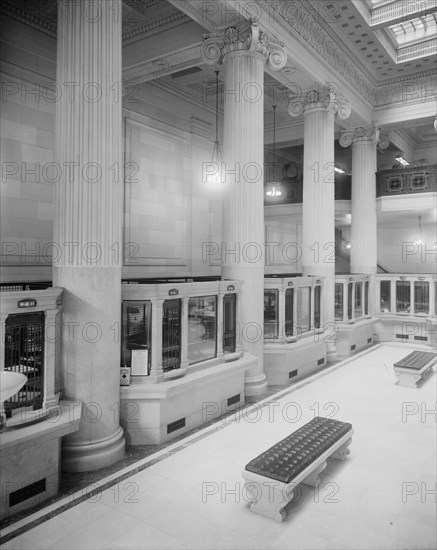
(244, 52)
(88, 225)
(319, 108)
(363, 253)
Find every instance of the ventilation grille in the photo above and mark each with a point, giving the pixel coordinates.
(29, 491)
(234, 399)
(292, 373)
(176, 425)
(403, 336)
(421, 338)
(369, 340)
(321, 361)
(353, 347)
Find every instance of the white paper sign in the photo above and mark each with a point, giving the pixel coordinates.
(139, 362)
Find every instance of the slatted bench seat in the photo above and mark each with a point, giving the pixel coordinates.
(414, 367)
(271, 478)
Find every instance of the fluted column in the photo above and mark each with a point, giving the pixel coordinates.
(88, 224)
(363, 252)
(244, 53)
(319, 108)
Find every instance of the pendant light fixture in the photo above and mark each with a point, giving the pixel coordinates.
(419, 232)
(273, 188)
(214, 170)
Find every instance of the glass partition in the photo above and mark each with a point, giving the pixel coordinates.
(366, 298)
(358, 309)
(421, 297)
(385, 296)
(351, 297)
(317, 296)
(229, 322)
(403, 299)
(171, 335)
(350, 287)
(271, 313)
(136, 337)
(303, 309)
(289, 304)
(183, 330)
(411, 294)
(338, 301)
(202, 333)
(288, 307)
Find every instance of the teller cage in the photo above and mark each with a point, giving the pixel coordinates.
(294, 343)
(182, 364)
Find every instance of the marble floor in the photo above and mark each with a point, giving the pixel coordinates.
(191, 495)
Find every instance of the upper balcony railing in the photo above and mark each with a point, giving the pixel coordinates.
(292, 191)
(408, 180)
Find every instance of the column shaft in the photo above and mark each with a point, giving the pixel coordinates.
(318, 225)
(88, 226)
(363, 225)
(243, 211)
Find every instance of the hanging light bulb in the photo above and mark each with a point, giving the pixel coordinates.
(214, 168)
(274, 187)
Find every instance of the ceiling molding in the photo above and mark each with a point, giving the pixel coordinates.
(155, 27)
(165, 65)
(320, 39)
(179, 92)
(10, 10)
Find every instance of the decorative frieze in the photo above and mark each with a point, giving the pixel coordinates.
(306, 26)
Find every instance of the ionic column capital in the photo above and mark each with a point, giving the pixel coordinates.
(250, 39)
(320, 99)
(371, 134)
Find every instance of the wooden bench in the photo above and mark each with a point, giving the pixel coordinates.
(414, 367)
(271, 478)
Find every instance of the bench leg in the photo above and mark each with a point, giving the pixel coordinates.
(313, 479)
(270, 502)
(342, 452)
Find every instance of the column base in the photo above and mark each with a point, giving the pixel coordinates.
(93, 456)
(256, 385)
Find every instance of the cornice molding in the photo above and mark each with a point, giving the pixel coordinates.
(8, 9)
(195, 14)
(155, 27)
(407, 91)
(179, 92)
(305, 28)
(155, 68)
